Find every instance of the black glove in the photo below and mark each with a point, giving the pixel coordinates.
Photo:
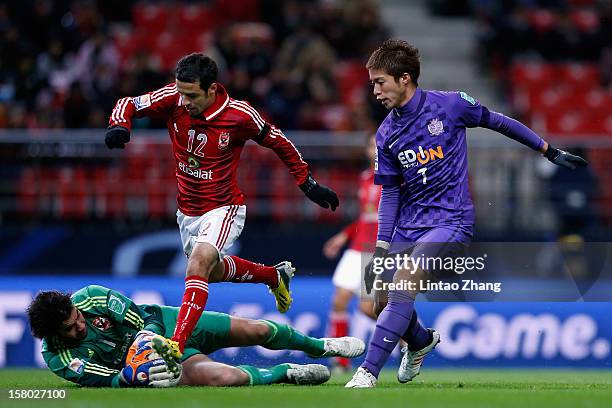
(369, 275)
(320, 194)
(117, 137)
(564, 159)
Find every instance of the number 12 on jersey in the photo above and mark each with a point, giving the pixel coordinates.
(202, 142)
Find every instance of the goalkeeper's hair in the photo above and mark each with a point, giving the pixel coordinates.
(197, 67)
(396, 57)
(47, 312)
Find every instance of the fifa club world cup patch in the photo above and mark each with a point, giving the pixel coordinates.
(224, 139)
(102, 323)
(468, 98)
(435, 127)
(142, 101)
(77, 365)
(116, 305)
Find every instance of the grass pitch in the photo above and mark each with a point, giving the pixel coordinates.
(443, 388)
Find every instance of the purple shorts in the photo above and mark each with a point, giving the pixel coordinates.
(431, 243)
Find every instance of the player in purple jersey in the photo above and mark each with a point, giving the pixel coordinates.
(422, 167)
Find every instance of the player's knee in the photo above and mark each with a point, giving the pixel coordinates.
(259, 332)
(224, 377)
(200, 266)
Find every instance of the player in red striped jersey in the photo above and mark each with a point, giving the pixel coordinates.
(208, 130)
(360, 235)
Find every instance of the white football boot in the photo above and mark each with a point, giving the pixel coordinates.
(348, 347)
(362, 379)
(308, 374)
(411, 363)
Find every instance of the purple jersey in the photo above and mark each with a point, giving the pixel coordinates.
(422, 146)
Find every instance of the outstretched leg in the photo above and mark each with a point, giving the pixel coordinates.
(201, 370)
(278, 336)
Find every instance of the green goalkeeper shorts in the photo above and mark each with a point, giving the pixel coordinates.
(210, 334)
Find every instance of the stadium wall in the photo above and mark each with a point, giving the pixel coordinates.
(485, 334)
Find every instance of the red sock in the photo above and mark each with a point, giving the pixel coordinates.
(240, 270)
(339, 327)
(194, 301)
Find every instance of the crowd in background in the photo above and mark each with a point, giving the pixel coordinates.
(64, 63)
(554, 31)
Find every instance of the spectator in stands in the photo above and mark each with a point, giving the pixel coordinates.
(47, 47)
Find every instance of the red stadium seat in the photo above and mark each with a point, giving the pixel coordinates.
(352, 79)
(170, 46)
(576, 123)
(532, 75)
(231, 10)
(196, 18)
(583, 76)
(28, 192)
(542, 20)
(151, 17)
(582, 2)
(586, 20)
(72, 193)
(598, 100)
(156, 194)
(109, 185)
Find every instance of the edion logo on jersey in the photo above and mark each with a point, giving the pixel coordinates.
(526, 336)
(409, 158)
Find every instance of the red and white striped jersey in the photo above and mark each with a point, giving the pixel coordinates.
(207, 148)
(362, 232)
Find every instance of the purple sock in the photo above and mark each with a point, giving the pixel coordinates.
(416, 336)
(392, 322)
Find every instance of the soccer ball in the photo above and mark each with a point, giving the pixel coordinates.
(140, 358)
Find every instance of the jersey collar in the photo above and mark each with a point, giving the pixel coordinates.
(413, 106)
(221, 101)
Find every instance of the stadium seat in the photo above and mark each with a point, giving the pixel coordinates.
(28, 192)
(574, 123)
(586, 20)
(542, 20)
(169, 46)
(352, 80)
(579, 76)
(72, 193)
(109, 186)
(151, 17)
(230, 10)
(532, 75)
(196, 18)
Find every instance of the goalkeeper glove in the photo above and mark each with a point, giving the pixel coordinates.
(141, 375)
(117, 137)
(564, 159)
(369, 275)
(320, 194)
(162, 377)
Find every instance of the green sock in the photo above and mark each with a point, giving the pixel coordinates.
(285, 337)
(262, 376)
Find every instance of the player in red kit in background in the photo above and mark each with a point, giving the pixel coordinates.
(208, 130)
(361, 237)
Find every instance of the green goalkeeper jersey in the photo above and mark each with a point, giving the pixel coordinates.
(112, 323)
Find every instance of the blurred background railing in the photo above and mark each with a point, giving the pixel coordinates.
(71, 176)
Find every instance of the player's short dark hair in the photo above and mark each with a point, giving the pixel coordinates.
(48, 311)
(396, 57)
(197, 67)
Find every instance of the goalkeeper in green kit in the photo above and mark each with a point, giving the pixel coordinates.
(100, 338)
